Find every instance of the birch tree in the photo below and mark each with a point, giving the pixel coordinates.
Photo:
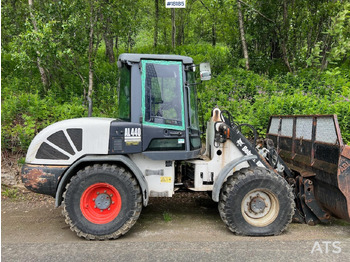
(241, 30)
(44, 78)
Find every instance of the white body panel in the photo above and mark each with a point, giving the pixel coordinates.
(216, 157)
(160, 178)
(208, 169)
(95, 139)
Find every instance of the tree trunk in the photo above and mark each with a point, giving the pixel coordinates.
(155, 39)
(130, 41)
(285, 56)
(173, 28)
(165, 35)
(285, 36)
(213, 34)
(108, 38)
(91, 84)
(117, 44)
(109, 48)
(324, 61)
(42, 71)
(180, 34)
(213, 27)
(241, 29)
(91, 61)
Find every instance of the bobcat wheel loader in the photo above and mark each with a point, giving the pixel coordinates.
(104, 170)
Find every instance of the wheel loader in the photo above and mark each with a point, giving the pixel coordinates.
(104, 170)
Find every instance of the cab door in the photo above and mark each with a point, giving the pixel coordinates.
(163, 110)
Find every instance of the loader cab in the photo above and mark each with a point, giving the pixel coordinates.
(158, 93)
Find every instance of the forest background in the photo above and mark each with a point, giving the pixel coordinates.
(268, 57)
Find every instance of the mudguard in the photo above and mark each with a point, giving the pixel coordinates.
(105, 159)
(225, 172)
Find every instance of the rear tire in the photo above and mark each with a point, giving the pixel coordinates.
(102, 202)
(256, 202)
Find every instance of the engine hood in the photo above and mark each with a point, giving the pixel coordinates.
(64, 142)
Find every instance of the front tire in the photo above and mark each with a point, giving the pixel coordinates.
(256, 202)
(102, 202)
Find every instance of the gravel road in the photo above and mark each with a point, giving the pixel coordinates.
(186, 227)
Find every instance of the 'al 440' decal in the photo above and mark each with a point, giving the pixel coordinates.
(132, 132)
(132, 135)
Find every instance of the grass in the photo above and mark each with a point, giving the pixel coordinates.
(340, 222)
(167, 216)
(8, 192)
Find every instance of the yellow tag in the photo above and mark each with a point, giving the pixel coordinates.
(165, 179)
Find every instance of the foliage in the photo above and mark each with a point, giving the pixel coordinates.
(8, 192)
(313, 36)
(252, 98)
(25, 114)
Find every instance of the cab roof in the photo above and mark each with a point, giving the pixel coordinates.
(136, 58)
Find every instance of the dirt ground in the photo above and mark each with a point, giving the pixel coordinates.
(186, 227)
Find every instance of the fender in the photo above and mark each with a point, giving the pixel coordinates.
(225, 172)
(103, 158)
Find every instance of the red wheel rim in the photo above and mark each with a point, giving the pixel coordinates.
(100, 203)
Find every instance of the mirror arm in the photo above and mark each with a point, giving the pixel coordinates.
(190, 67)
(192, 84)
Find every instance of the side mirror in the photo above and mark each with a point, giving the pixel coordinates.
(205, 71)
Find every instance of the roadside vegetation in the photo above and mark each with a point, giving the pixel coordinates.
(8, 192)
(295, 58)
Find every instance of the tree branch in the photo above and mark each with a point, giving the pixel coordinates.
(268, 19)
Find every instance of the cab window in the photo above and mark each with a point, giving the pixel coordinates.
(162, 94)
(191, 79)
(124, 93)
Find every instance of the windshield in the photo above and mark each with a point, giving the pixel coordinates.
(162, 96)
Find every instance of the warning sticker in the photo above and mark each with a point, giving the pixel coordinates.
(165, 179)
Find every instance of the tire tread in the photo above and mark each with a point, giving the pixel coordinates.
(237, 180)
(133, 215)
